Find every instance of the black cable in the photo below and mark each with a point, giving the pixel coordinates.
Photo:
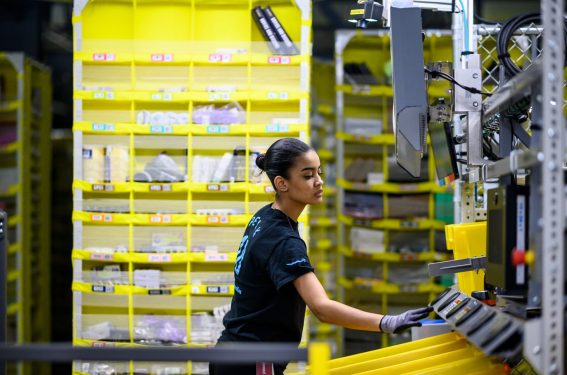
(485, 21)
(506, 33)
(435, 74)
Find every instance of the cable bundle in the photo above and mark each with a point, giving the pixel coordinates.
(506, 33)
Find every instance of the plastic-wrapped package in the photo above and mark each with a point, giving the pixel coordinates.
(162, 168)
(231, 113)
(160, 329)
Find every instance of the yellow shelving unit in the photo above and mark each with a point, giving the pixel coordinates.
(323, 217)
(173, 102)
(25, 125)
(386, 220)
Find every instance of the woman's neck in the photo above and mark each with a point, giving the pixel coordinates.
(291, 209)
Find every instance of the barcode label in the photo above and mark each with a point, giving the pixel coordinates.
(217, 289)
(102, 289)
(99, 127)
(160, 219)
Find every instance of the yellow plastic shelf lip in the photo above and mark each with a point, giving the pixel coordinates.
(79, 286)
(322, 244)
(103, 57)
(101, 217)
(277, 129)
(422, 187)
(145, 129)
(426, 256)
(10, 148)
(326, 155)
(151, 187)
(122, 187)
(263, 188)
(212, 290)
(212, 187)
(275, 60)
(279, 95)
(326, 109)
(160, 219)
(380, 139)
(11, 191)
(381, 287)
(13, 309)
(212, 129)
(102, 127)
(219, 96)
(14, 220)
(213, 257)
(220, 220)
(161, 58)
(14, 248)
(174, 291)
(162, 97)
(322, 221)
(110, 95)
(394, 223)
(220, 59)
(9, 105)
(366, 90)
(98, 343)
(13, 275)
(150, 258)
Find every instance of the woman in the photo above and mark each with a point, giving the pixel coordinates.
(274, 279)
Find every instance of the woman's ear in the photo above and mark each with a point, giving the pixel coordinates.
(281, 184)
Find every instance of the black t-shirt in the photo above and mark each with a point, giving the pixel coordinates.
(266, 306)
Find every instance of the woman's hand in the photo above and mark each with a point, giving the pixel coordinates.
(398, 323)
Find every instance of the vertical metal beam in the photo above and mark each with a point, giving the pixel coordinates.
(3, 280)
(553, 188)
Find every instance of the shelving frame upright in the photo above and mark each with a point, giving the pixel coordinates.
(173, 56)
(25, 124)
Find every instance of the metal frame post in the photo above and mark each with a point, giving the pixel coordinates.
(3, 279)
(553, 247)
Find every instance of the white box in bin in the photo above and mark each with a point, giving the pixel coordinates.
(367, 240)
(363, 126)
(147, 278)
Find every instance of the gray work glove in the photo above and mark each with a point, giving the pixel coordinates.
(398, 323)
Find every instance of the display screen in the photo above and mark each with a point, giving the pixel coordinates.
(443, 152)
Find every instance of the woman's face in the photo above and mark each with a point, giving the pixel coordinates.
(305, 184)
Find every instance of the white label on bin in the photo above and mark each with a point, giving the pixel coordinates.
(213, 187)
(216, 257)
(195, 289)
(102, 127)
(96, 217)
(212, 219)
(159, 258)
(269, 189)
(161, 129)
(99, 256)
(157, 96)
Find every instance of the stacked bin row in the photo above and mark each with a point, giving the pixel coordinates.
(170, 114)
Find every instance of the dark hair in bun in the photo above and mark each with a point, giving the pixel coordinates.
(261, 161)
(280, 157)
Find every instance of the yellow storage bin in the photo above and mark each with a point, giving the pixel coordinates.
(468, 240)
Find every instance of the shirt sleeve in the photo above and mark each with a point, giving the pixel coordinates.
(288, 261)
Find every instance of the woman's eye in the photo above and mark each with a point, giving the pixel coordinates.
(307, 177)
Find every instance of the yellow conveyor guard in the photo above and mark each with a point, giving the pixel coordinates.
(446, 354)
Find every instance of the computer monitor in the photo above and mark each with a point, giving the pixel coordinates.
(443, 148)
(410, 93)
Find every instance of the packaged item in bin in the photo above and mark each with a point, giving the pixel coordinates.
(116, 163)
(162, 118)
(93, 163)
(153, 329)
(147, 278)
(168, 242)
(162, 168)
(232, 113)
